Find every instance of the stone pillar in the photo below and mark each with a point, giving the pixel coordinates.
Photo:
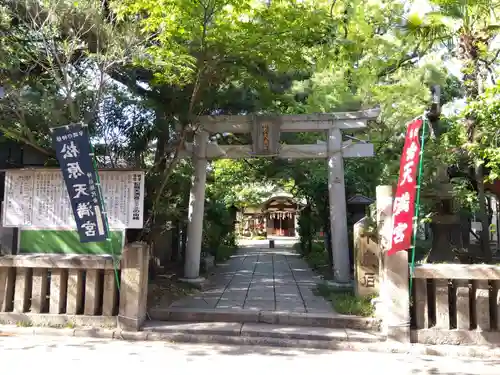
(74, 302)
(394, 293)
(338, 209)
(196, 208)
(110, 292)
(58, 290)
(40, 283)
(133, 286)
(296, 223)
(92, 290)
(22, 289)
(7, 283)
(366, 261)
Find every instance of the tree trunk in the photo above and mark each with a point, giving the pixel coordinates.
(483, 215)
(175, 242)
(474, 87)
(446, 234)
(444, 241)
(326, 223)
(183, 242)
(306, 229)
(162, 128)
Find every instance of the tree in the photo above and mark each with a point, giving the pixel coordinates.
(200, 52)
(55, 56)
(466, 29)
(140, 72)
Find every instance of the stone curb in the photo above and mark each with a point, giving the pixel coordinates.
(326, 320)
(483, 352)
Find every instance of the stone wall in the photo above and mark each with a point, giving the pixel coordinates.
(81, 290)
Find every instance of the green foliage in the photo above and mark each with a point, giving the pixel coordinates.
(346, 302)
(224, 252)
(235, 182)
(487, 144)
(318, 258)
(218, 231)
(306, 231)
(211, 45)
(55, 55)
(139, 72)
(315, 255)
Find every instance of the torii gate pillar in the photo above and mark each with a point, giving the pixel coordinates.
(196, 209)
(338, 209)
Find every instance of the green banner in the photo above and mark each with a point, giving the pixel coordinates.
(46, 241)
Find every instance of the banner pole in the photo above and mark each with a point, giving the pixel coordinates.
(417, 201)
(106, 221)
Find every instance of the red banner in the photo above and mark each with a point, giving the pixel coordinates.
(403, 208)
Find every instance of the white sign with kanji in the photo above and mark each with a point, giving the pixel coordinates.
(38, 198)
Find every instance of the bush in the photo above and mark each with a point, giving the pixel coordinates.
(344, 301)
(224, 252)
(318, 257)
(219, 237)
(305, 229)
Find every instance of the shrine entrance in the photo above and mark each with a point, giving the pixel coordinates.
(282, 224)
(265, 131)
(275, 216)
(281, 215)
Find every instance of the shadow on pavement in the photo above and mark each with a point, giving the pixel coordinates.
(162, 352)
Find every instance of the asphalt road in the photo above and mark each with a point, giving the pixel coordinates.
(51, 355)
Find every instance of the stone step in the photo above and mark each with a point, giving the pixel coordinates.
(258, 334)
(325, 320)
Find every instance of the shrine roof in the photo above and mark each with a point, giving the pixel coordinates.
(360, 199)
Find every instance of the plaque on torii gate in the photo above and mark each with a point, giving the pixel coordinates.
(265, 131)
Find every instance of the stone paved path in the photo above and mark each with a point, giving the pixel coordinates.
(259, 278)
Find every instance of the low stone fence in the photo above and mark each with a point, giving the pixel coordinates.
(80, 290)
(456, 304)
(447, 304)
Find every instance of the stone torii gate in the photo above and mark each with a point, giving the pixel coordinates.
(266, 131)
